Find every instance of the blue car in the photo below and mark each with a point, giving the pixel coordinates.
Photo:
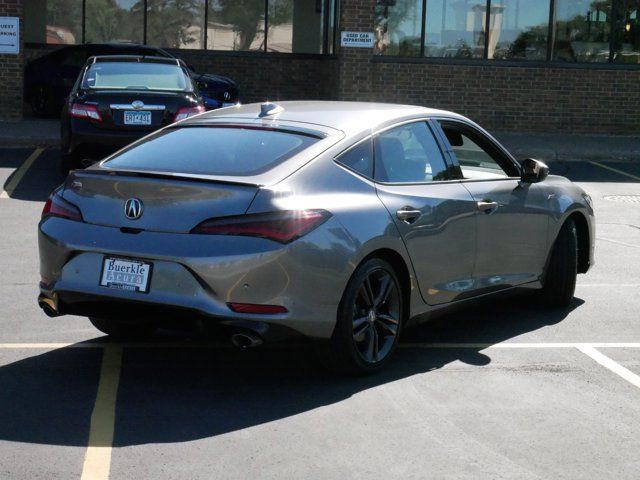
(50, 78)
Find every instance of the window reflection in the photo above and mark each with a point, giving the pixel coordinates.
(455, 28)
(398, 27)
(114, 21)
(627, 32)
(235, 25)
(57, 22)
(582, 30)
(519, 30)
(175, 23)
(295, 26)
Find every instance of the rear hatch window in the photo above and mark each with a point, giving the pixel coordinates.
(216, 151)
(136, 76)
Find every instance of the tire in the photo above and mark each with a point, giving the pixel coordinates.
(122, 330)
(560, 278)
(370, 312)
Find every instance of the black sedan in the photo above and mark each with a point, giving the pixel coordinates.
(49, 79)
(118, 99)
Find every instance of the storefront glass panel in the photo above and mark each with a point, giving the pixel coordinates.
(583, 31)
(455, 29)
(236, 25)
(519, 30)
(398, 27)
(114, 21)
(175, 23)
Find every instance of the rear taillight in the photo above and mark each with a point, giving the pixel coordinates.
(82, 110)
(186, 112)
(57, 207)
(283, 227)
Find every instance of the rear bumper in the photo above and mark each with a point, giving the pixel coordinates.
(198, 275)
(88, 138)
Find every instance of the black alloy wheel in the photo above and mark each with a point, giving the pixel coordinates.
(376, 316)
(369, 321)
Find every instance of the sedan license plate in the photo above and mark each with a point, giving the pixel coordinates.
(137, 118)
(125, 274)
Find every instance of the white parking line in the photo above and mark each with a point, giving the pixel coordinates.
(20, 172)
(615, 367)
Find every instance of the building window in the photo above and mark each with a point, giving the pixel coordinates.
(236, 25)
(398, 27)
(455, 29)
(114, 21)
(519, 30)
(56, 22)
(627, 32)
(175, 23)
(582, 31)
(295, 26)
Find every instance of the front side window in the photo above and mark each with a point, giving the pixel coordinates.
(408, 154)
(136, 76)
(476, 161)
(222, 151)
(583, 31)
(398, 27)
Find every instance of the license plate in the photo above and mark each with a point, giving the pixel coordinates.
(125, 274)
(137, 118)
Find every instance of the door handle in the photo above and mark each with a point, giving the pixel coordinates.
(487, 206)
(408, 214)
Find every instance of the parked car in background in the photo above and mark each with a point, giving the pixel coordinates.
(49, 79)
(341, 221)
(118, 99)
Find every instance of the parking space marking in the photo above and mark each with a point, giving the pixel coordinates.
(20, 172)
(611, 365)
(97, 460)
(620, 172)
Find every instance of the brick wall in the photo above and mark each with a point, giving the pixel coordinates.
(11, 69)
(270, 77)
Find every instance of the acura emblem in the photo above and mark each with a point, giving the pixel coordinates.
(226, 95)
(133, 208)
(137, 104)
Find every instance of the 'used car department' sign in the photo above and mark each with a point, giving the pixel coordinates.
(357, 39)
(9, 35)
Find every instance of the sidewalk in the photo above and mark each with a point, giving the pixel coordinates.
(543, 146)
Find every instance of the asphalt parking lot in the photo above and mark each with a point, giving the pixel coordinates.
(504, 390)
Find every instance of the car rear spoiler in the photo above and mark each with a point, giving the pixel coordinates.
(189, 177)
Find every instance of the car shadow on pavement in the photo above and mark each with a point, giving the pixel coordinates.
(182, 394)
(42, 177)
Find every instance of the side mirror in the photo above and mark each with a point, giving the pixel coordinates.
(533, 171)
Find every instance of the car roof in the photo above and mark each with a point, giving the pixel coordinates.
(349, 117)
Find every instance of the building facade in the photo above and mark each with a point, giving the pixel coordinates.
(527, 65)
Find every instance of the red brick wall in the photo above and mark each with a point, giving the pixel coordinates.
(11, 69)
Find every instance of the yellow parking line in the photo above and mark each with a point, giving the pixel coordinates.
(20, 172)
(97, 461)
(621, 172)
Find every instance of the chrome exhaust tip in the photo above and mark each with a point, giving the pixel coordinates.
(48, 306)
(246, 340)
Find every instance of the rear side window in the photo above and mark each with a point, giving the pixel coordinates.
(136, 76)
(408, 154)
(359, 158)
(217, 151)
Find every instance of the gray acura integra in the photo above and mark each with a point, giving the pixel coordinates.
(343, 222)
